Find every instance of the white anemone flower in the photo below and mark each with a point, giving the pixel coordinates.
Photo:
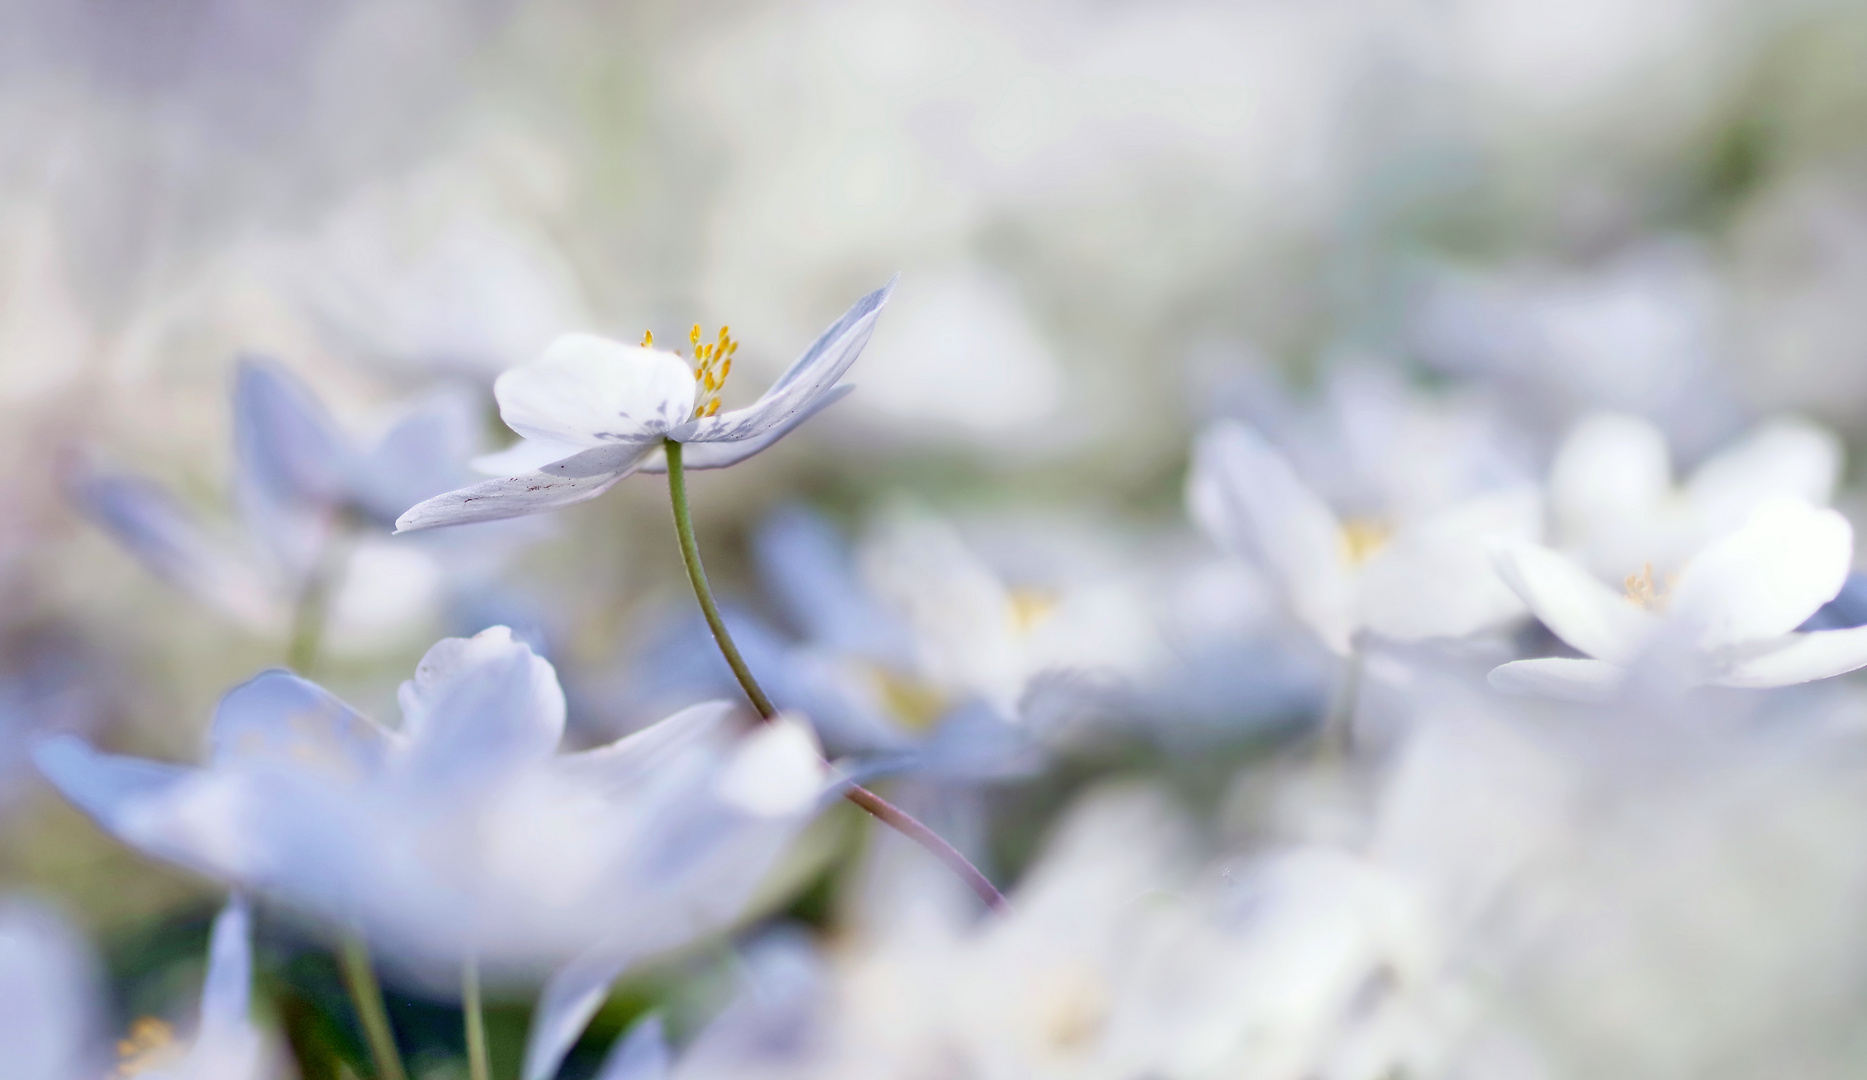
(1728, 616)
(466, 835)
(1424, 575)
(590, 411)
(51, 1005)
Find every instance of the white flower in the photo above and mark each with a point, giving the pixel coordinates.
(590, 411)
(1727, 616)
(1423, 576)
(466, 834)
(51, 1008)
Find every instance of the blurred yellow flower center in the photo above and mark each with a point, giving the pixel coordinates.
(1026, 607)
(1362, 537)
(713, 361)
(911, 701)
(149, 1045)
(1643, 589)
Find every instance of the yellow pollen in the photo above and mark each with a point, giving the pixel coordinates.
(1025, 608)
(648, 339)
(1361, 538)
(150, 1045)
(1644, 590)
(911, 701)
(712, 363)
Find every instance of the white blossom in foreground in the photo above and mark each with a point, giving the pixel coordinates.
(1727, 617)
(466, 834)
(51, 1009)
(590, 411)
(1422, 575)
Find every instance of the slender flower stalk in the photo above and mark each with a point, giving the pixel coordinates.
(353, 954)
(1335, 740)
(474, 1010)
(895, 817)
(360, 977)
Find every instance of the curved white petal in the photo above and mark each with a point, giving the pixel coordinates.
(1768, 577)
(641, 1053)
(569, 1000)
(564, 483)
(1435, 578)
(808, 378)
(481, 704)
(775, 771)
(589, 391)
(1610, 465)
(280, 717)
(718, 455)
(1249, 500)
(1799, 658)
(1784, 457)
(1559, 677)
(526, 455)
(1575, 606)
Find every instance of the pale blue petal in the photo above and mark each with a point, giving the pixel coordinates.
(640, 1054)
(278, 717)
(289, 462)
(565, 483)
(809, 569)
(718, 455)
(809, 377)
(479, 706)
(227, 996)
(570, 999)
(419, 458)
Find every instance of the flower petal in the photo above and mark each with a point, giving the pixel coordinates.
(1609, 466)
(589, 391)
(640, 1054)
(1575, 606)
(565, 483)
(569, 1000)
(1768, 577)
(718, 455)
(1784, 457)
(526, 455)
(289, 462)
(226, 997)
(1435, 578)
(277, 716)
(1250, 502)
(1559, 677)
(480, 705)
(776, 771)
(808, 378)
(111, 790)
(1799, 658)
(174, 546)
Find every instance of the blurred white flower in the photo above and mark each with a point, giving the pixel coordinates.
(309, 498)
(1422, 575)
(51, 1008)
(466, 835)
(590, 411)
(1728, 616)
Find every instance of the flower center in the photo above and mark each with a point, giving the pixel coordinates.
(1645, 591)
(914, 703)
(1025, 608)
(1362, 537)
(149, 1045)
(713, 361)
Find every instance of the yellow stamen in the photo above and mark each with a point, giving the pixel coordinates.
(1643, 589)
(150, 1045)
(648, 339)
(1025, 608)
(1361, 538)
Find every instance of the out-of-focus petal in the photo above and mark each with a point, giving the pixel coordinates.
(718, 455)
(1435, 578)
(278, 717)
(776, 770)
(174, 546)
(1250, 501)
(569, 1000)
(809, 568)
(227, 996)
(418, 457)
(1798, 658)
(809, 377)
(1784, 457)
(1767, 578)
(633, 757)
(640, 1054)
(119, 793)
(481, 705)
(591, 391)
(50, 998)
(289, 462)
(565, 483)
(1574, 605)
(1559, 677)
(1610, 465)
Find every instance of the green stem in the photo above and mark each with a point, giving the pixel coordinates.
(353, 956)
(883, 810)
(475, 1011)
